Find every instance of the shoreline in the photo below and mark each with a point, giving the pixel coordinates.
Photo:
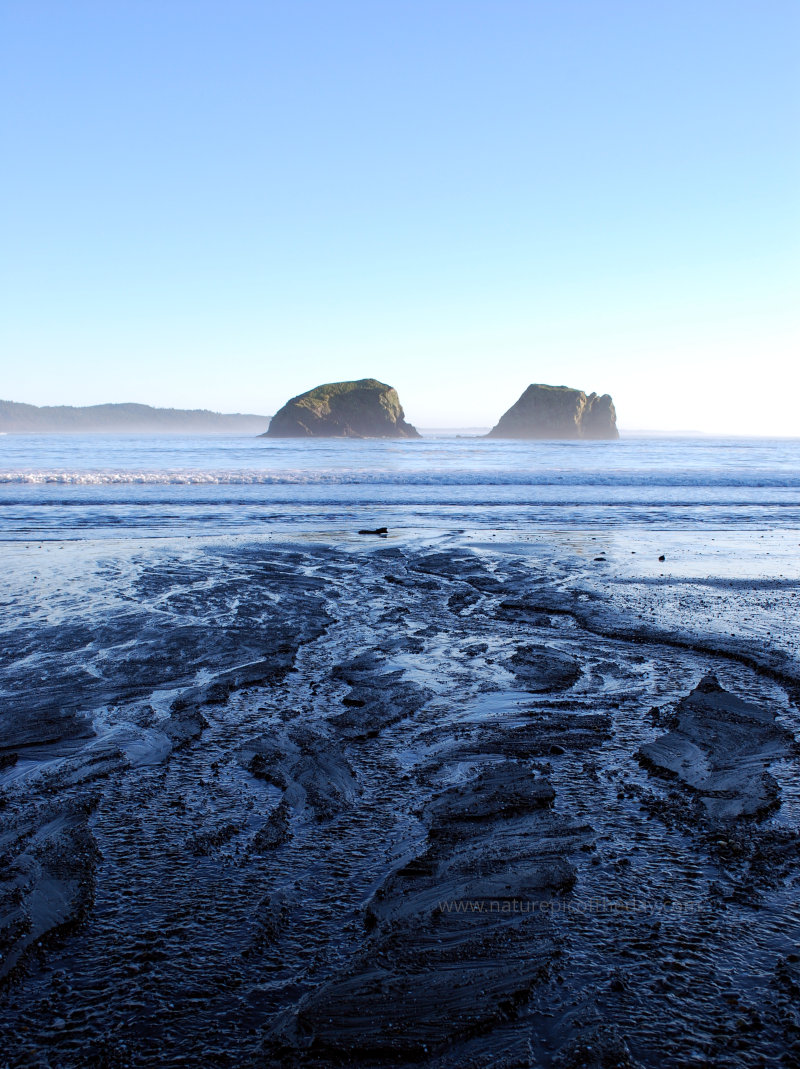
(299, 752)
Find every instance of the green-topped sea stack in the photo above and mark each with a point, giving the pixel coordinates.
(365, 408)
(558, 412)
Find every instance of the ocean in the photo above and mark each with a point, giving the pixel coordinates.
(82, 486)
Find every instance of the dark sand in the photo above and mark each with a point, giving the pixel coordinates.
(395, 802)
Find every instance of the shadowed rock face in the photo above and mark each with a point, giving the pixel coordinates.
(362, 409)
(558, 412)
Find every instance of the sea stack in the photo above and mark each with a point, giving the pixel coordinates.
(558, 412)
(365, 408)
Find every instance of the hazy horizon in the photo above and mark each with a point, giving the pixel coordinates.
(431, 428)
(220, 207)
(445, 426)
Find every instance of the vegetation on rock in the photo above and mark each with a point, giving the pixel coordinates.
(364, 408)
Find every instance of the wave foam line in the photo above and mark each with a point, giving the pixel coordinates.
(440, 478)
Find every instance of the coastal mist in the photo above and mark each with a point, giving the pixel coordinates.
(509, 778)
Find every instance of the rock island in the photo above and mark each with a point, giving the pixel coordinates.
(365, 408)
(558, 412)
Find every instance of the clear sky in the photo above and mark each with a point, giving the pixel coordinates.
(222, 204)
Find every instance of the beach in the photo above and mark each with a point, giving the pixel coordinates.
(400, 536)
(509, 793)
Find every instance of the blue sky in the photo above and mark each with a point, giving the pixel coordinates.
(223, 204)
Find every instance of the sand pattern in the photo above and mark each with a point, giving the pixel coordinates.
(390, 803)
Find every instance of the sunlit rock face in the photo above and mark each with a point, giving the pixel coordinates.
(558, 412)
(365, 408)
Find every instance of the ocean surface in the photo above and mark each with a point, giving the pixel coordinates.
(80, 486)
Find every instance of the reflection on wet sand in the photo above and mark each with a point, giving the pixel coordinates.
(405, 802)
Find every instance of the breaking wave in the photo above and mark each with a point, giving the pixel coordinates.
(362, 477)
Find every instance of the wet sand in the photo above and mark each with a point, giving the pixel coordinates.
(451, 800)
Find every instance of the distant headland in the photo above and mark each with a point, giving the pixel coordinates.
(364, 408)
(123, 418)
